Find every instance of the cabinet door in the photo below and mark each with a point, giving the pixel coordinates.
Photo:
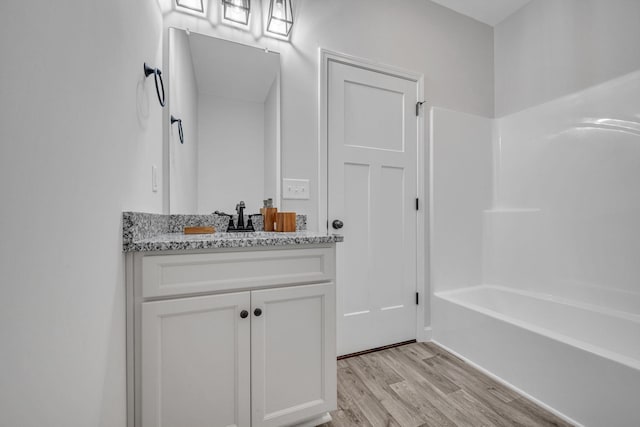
(196, 362)
(293, 354)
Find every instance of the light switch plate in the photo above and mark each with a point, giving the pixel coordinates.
(295, 189)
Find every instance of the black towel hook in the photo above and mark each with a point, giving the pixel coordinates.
(157, 75)
(180, 132)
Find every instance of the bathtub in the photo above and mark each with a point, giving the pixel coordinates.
(576, 357)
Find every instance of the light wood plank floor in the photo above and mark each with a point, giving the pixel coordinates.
(423, 385)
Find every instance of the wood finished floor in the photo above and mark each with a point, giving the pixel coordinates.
(423, 385)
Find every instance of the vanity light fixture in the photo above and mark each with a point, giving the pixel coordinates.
(237, 11)
(192, 5)
(280, 17)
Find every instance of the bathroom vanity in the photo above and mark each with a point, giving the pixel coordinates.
(229, 329)
(226, 329)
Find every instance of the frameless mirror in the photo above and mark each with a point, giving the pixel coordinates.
(224, 98)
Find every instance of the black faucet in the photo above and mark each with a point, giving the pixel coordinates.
(240, 209)
(241, 227)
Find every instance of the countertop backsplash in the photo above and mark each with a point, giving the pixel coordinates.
(145, 231)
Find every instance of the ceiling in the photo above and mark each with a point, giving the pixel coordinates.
(490, 12)
(231, 70)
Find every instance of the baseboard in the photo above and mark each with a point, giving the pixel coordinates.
(425, 335)
(373, 350)
(323, 419)
(510, 386)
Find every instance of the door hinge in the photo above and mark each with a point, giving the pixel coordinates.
(417, 300)
(417, 204)
(418, 105)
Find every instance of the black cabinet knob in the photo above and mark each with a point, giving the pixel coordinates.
(244, 314)
(257, 312)
(337, 224)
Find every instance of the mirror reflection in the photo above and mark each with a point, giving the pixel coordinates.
(227, 98)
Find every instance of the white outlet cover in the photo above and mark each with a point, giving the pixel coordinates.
(295, 189)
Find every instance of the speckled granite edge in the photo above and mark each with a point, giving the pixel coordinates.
(139, 227)
(176, 241)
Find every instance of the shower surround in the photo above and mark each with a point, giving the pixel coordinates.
(536, 248)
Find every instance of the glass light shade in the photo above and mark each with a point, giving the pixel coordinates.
(195, 5)
(237, 11)
(280, 17)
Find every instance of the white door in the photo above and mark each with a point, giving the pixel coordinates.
(293, 364)
(196, 362)
(372, 133)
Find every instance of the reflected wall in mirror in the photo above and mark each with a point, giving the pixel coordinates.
(228, 98)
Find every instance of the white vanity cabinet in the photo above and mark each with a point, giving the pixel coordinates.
(232, 337)
(196, 361)
(293, 354)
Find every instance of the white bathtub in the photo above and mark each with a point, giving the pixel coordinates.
(577, 358)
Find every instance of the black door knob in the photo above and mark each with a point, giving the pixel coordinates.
(244, 314)
(257, 312)
(337, 224)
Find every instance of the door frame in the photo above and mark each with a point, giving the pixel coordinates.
(325, 56)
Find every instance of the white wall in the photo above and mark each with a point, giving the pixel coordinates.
(462, 188)
(552, 48)
(454, 52)
(183, 104)
(229, 130)
(563, 220)
(80, 128)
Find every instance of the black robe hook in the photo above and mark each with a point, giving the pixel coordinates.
(180, 132)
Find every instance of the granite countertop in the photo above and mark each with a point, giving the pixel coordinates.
(144, 232)
(179, 241)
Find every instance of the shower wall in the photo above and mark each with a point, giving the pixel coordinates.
(543, 200)
(535, 249)
(567, 194)
(461, 189)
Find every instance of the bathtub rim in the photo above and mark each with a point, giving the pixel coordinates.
(545, 296)
(449, 296)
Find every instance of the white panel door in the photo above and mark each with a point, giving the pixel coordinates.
(293, 362)
(372, 188)
(196, 362)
